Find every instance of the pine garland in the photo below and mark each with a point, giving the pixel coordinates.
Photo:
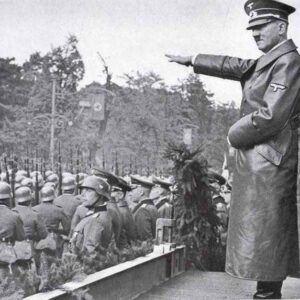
(194, 212)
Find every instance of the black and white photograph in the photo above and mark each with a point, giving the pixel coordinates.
(149, 150)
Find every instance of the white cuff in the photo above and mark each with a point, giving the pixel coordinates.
(193, 59)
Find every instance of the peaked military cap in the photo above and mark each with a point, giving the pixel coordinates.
(122, 184)
(141, 181)
(215, 177)
(266, 11)
(164, 184)
(111, 178)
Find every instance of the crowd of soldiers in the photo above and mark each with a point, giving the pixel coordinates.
(82, 213)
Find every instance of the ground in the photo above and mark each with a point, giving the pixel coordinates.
(213, 285)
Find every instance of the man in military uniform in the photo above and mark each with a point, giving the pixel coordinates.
(68, 201)
(263, 211)
(57, 224)
(128, 230)
(145, 213)
(34, 227)
(112, 207)
(11, 230)
(94, 232)
(163, 205)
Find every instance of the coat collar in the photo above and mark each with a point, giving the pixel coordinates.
(266, 59)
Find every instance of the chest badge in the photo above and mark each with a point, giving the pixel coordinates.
(277, 87)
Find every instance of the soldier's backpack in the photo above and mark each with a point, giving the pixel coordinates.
(7, 253)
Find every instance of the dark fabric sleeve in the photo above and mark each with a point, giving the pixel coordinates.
(222, 66)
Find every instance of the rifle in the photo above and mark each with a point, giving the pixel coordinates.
(41, 164)
(13, 176)
(103, 160)
(135, 166)
(116, 164)
(6, 169)
(44, 166)
(130, 164)
(71, 160)
(27, 162)
(90, 159)
(59, 171)
(77, 172)
(148, 167)
(37, 196)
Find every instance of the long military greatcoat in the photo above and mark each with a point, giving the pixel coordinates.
(262, 237)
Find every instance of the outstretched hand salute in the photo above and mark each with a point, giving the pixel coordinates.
(182, 60)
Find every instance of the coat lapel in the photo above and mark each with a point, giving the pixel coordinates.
(264, 60)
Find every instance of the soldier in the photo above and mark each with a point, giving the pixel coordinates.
(11, 230)
(68, 201)
(128, 231)
(34, 227)
(56, 221)
(112, 207)
(145, 213)
(114, 213)
(163, 205)
(54, 179)
(94, 232)
(27, 182)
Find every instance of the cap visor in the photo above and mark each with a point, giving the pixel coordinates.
(259, 22)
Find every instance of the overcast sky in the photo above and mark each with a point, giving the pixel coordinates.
(134, 34)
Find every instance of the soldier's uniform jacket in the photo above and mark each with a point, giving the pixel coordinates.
(262, 237)
(68, 203)
(97, 231)
(164, 209)
(77, 236)
(53, 217)
(11, 225)
(113, 211)
(80, 213)
(34, 227)
(128, 232)
(145, 220)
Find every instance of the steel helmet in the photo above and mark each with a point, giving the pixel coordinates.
(5, 190)
(33, 173)
(23, 194)
(40, 181)
(19, 178)
(47, 193)
(3, 176)
(67, 174)
(53, 178)
(51, 184)
(68, 183)
(21, 173)
(48, 173)
(81, 177)
(27, 182)
(100, 186)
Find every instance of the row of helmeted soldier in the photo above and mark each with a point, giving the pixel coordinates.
(106, 208)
